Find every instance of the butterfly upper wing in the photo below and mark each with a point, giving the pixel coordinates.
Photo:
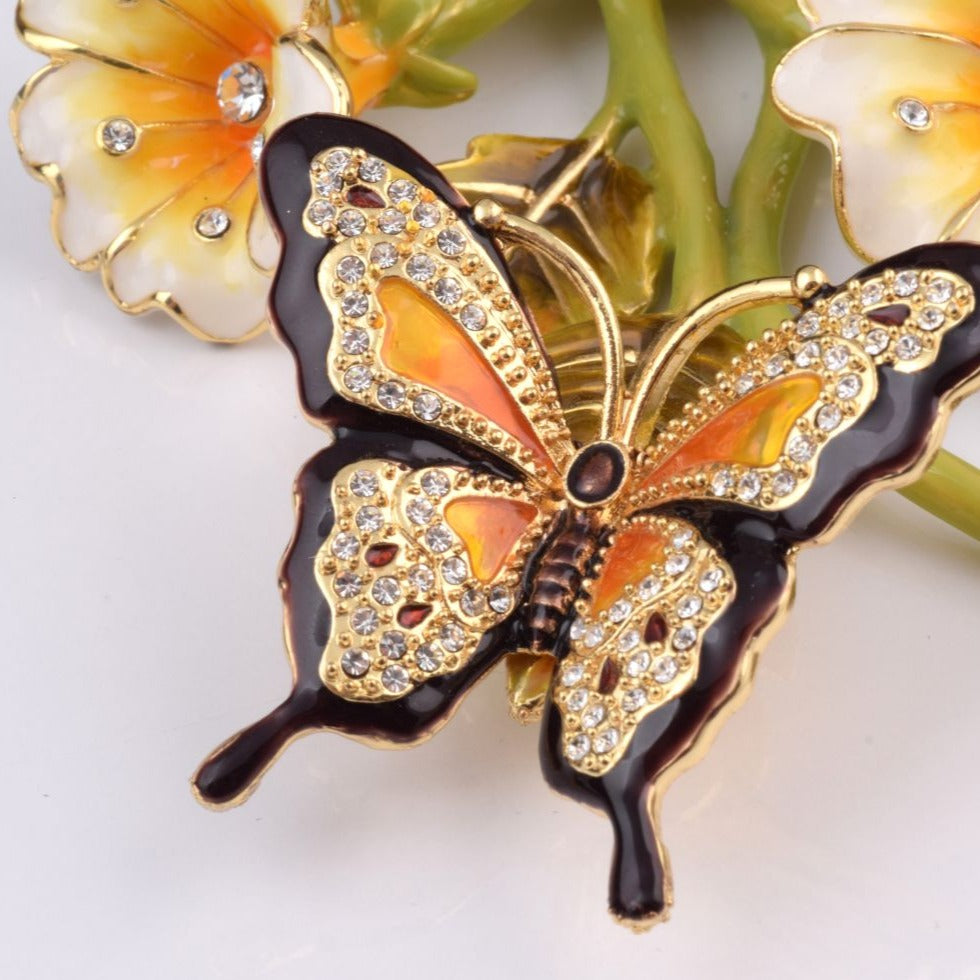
(749, 522)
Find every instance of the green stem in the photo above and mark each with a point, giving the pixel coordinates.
(950, 490)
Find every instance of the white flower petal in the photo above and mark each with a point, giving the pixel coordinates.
(960, 17)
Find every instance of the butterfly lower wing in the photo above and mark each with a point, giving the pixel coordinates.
(385, 639)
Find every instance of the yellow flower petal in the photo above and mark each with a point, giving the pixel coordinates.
(960, 17)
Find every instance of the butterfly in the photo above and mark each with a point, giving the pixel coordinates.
(453, 521)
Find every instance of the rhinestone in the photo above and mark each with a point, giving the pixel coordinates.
(711, 580)
(744, 383)
(420, 268)
(363, 483)
(118, 136)
(750, 486)
(665, 668)
(628, 641)
(500, 599)
(354, 304)
(435, 484)
(393, 645)
(906, 283)
(593, 716)
(347, 585)
(593, 634)
(685, 638)
(326, 184)
(369, 519)
(578, 748)
(871, 293)
(422, 577)
(774, 366)
(256, 147)
(454, 571)
(448, 291)
(852, 327)
(364, 620)
(472, 317)
(606, 741)
(578, 699)
(394, 678)
(620, 610)
(931, 318)
(452, 637)
(914, 114)
(386, 591)
(345, 545)
(212, 223)
(648, 588)
(350, 269)
(835, 358)
(427, 215)
(848, 387)
(635, 699)
(638, 663)
(689, 606)
(391, 394)
(828, 418)
(800, 449)
(807, 354)
(355, 663)
(682, 537)
(577, 630)
(908, 347)
(384, 255)
(428, 658)
(420, 511)
(241, 92)
(439, 538)
(337, 161)
(358, 377)
(351, 223)
(321, 212)
(427, 406)
(372, 170)
(722, 482)
(402, 190)
(877, 341)
(355, 341)
(808, 325)
(451, 241)
(783, 483)
(839, 308)
(572, 674)
(391, 222)
(939, 291)
(676, 564)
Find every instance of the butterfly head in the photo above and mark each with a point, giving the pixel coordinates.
(596, 475)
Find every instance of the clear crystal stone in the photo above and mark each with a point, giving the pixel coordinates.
(689, 605)
(638, 663)
(620, 610)
(853, 326)
(241, 92)
(454, 570)
(394, 678)
(337, 162)
(578, 699)
(355, 341)
(606, 740)
(448, 291)
(711, 579)
(256, 147)
(212, 222)
(800, 448)
(648, 588)
(439, 538)
(472, 317)
(427, 215)
(677, 564)
(835, 358)
(571, 675)
(807, 354)
(665, 668)
(908, 347)
(451, 242)
(402, 190)
(435, 483)
(848, 387)
(931, 318)
(391, 221)
(393, 645)
(321, 212)
(628, 641)
(427, 406)
(808, 325)
(914, 114)
(428, 658)
(384, 255)
(369, 518)
(391, 395)
(940, 291)
(722, 482)
(363, 483)
(871, 293)
(744, 383)
(784, 483)
(355, 663)
(351, 222)
(578, 748)
(685, 638)
(358, 378)
(577, 629)
(422, 577)
(828, 418)
(364, 620)
(634, 700)
(350, 269)
(593, 635)
(877, 341)
(348, 585)
(420, 511)
(839, 308)
(420, 268)
(354, 304)
(593, 716)
(327, 183)
(345, 545)
(452, 637)
(500, 599)
(386, 591)
(906, 282)
(750, 486)
(118, 136)
(372, 170)
(775, 365)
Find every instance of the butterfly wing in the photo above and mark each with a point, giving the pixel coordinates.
(848, 399)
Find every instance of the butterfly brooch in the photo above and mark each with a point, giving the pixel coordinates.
(454, 521)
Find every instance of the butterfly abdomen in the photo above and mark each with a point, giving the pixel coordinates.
(558, 579)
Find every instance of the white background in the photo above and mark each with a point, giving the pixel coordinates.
(145, 501)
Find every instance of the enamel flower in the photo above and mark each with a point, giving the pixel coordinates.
(894, 88)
